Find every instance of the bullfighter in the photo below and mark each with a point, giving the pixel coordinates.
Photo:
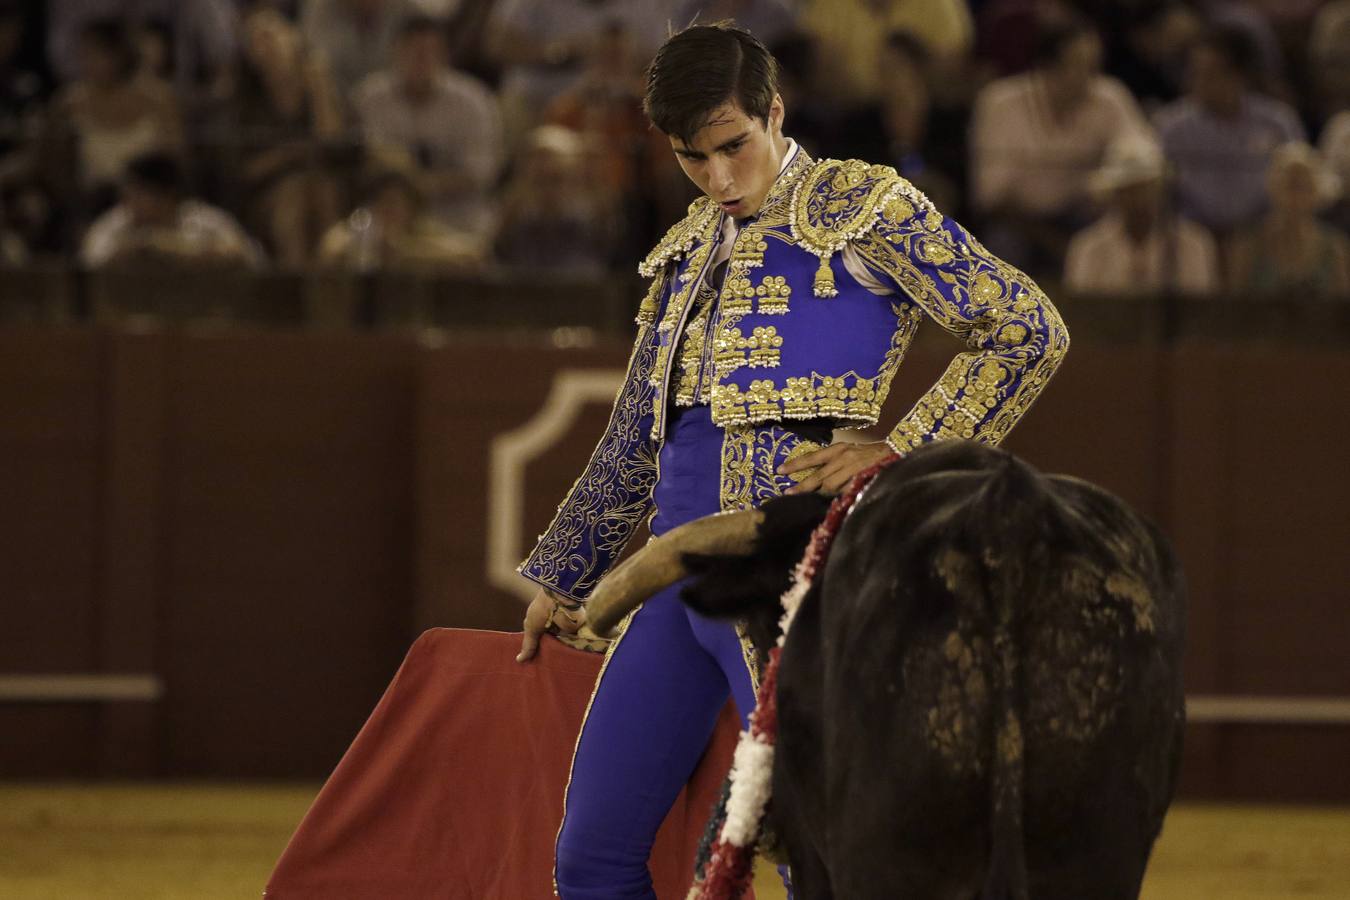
(779, 310)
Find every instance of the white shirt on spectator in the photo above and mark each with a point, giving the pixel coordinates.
(1334, 145)
(1104, 259)
(458, 128)
(199, 225)
(1023, 157)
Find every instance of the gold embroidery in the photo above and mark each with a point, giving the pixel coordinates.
(775, 211)
(748, 251)
(840, 200)
(690, 366)
(751, 456)
(723, 313)
(733, 349)
(1016, 337)
(737, 295)
(681, 236)
(607, 501)
(694, 238)
(849, 396)
(673, 321)
(748, 654)
(650, 303)
(802, 449)
(773, 293)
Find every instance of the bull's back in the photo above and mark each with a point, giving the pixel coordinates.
(1001, 651)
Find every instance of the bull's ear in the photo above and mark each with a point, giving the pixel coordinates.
(734, 586)
(731, 587)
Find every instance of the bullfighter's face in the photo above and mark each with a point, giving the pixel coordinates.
(735, 158)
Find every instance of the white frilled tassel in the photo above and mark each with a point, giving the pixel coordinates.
(751, 783)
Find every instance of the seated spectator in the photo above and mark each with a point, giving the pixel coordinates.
(1334, 145)
(1329, 55)
(354, 39)
(284, 116)
(1292, 252)
(553, 217)
(1136, 247)
(445, 124)
(155, 223)
(605, 104)
(1148, 47)
(392, 231)
(1267, 72)
(604, 107)
(202, 32)
(541, 47)
(897, 130)
(851, 36)
(1008, 32)
(24, 88)
(111, 114)
(1035, 139)
(1221, 135)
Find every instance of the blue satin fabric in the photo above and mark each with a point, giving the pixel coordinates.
(656, 703)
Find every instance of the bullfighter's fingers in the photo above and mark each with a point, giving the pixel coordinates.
(529, 645)
(537, 619)
(833, 480)
(812, 459)
(806, 485)
(827, 474)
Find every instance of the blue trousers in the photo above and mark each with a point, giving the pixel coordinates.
(656, 702)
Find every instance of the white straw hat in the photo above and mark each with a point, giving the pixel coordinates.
(1297, 153)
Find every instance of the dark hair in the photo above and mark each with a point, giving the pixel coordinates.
(414, 25)
(158, 172)
(1053, 38)
(1235, 47)
(702, 68)
(114, 37)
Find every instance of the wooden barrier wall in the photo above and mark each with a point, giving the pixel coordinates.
(264, 521)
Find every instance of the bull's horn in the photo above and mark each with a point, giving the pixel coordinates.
(661, 564)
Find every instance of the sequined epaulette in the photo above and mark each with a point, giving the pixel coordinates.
(838, 201)
(680, 237)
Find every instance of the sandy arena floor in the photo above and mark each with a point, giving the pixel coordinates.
(218, 842)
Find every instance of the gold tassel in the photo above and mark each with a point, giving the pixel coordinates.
(824, 283)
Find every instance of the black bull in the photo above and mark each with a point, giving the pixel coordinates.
(981, 695)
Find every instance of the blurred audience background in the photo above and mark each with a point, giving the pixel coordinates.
(1120, 147)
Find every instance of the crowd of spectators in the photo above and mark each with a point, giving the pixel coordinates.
(1123, 146)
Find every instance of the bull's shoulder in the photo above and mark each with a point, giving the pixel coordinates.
(681, 237)
(838, 201)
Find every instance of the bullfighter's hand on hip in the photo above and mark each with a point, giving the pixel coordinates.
(834, 466)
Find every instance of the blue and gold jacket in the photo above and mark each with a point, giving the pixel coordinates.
(793, 335)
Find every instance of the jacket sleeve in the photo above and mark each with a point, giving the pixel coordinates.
(1015, 336)
(599, 514)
